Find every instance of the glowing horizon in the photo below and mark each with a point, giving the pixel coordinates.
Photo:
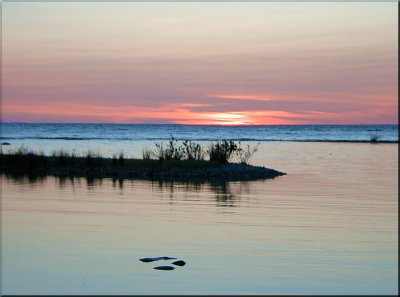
(258, 63)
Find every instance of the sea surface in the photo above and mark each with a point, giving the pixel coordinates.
(114, 138)
(330, 226)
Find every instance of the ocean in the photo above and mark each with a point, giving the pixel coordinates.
(330, 226)
(112, 138)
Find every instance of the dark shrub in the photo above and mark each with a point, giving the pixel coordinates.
(93, 158)
(192, 151)
(171, 152)
(121, 158)
(222, 151)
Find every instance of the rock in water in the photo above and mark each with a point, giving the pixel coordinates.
(179, 263)
(165, 258)
(164, 268)
(5, 143)
(147, 260)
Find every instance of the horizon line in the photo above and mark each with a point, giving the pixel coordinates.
(205, 125)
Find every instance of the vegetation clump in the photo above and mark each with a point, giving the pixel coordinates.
(188, 150)
(63, 157)
(245, 155)
(146, 154)
(25, 158)
(222, 151)
(94, 158)
(193, 151)
(118, 159)
(182, 161)
(171, 152)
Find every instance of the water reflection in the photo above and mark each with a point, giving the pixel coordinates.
(62, 182)
(226, 194)
(120, 183)
(92, 183)
(24, 179)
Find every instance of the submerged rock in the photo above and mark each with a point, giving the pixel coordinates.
(164, 268)
(179, 263)
(5, 143)
(147, 260)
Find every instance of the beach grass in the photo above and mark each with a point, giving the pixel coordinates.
(173, 162)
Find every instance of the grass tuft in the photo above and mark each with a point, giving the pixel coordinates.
(193, 151)
(171, 152)
(245, 155)
(147, 154)
(93, 158)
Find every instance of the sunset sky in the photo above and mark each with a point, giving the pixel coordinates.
(200, 63)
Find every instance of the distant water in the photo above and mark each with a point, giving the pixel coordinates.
(151, 132)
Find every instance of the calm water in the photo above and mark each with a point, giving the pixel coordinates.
(330, 226)
(111, 139)
(124, 132)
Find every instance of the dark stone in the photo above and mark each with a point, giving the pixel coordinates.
(147, 260)
(5, 143)
(165, 258)
(164, 268)
(179, 263)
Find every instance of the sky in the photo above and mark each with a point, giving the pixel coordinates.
(221, 63)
